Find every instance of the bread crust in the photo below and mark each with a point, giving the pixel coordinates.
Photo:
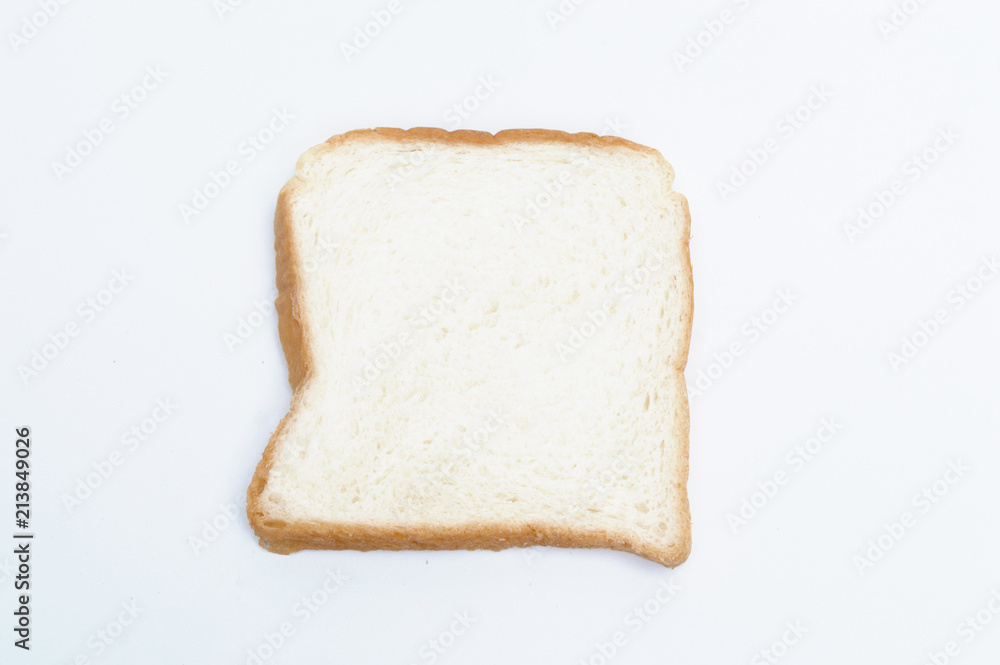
(286, 537)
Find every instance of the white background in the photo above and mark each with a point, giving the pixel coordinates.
(608, 67)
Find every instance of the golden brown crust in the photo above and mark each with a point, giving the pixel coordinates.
(683, 407)
(478, 138)
(291, 335)
(287, 537)
(471, 537)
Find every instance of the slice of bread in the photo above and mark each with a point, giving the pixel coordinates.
(486, 336)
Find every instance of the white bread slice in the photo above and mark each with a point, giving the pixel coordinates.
(486, 336)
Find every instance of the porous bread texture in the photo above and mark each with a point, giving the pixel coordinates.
(486, 337)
